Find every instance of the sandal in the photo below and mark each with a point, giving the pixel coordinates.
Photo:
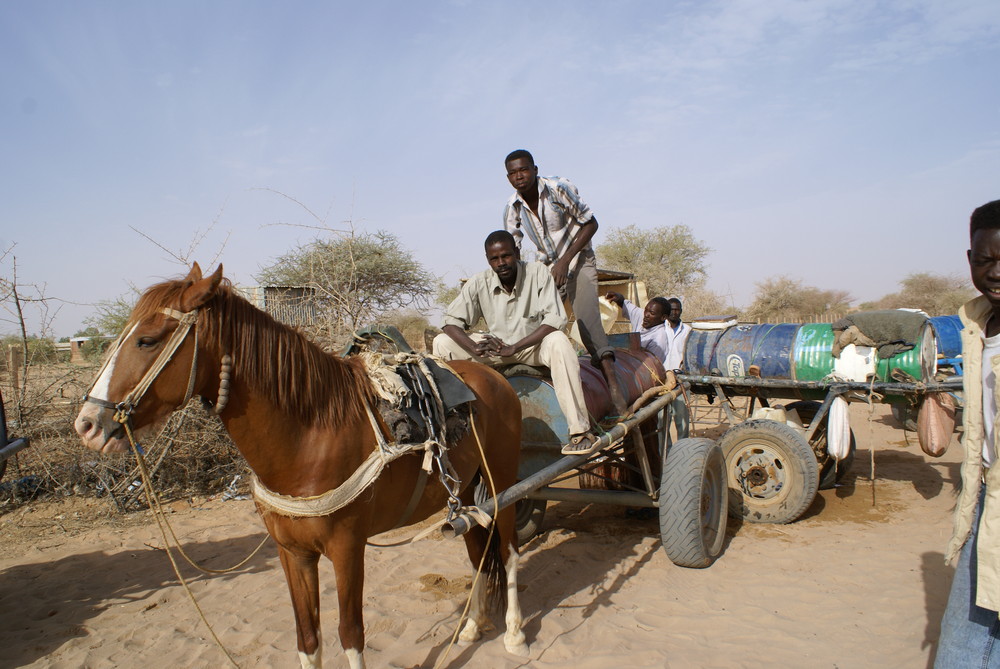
(581, 444)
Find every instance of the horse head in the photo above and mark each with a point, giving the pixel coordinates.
(152, 369)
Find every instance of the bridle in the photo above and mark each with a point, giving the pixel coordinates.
(187, 321)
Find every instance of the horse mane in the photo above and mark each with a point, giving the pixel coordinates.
(275, 360)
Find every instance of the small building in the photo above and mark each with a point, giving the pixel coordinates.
(292, 305)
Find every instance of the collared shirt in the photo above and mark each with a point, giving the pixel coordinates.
(653, 339)
(561, 212)
(676, 339)
(533, 302)
(991, 349)
(974, 316)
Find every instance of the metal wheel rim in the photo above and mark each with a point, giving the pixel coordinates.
(750, 460)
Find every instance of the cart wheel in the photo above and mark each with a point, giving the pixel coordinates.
(773, 473)
(693, 502)
(905, 415)
(528, 517)
(830, 472)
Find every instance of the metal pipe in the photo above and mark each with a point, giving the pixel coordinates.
(878, 386)
(620, 497)
(13, 447)
(463, 522)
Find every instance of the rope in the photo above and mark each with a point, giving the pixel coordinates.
(871, 436)
(154, 503)
(482, 560)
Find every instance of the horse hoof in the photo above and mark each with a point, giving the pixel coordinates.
(469, 634)
(517, 648)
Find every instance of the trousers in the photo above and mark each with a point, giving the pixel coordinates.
(581, 293)
(970, 634)
(555, 352)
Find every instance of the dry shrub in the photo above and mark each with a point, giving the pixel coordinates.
(190, 453)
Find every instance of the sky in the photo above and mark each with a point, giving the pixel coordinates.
(840, 143)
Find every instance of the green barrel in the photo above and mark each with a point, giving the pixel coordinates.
(812, 356)
(920, 362)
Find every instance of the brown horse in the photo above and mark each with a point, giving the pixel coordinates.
(299, 416)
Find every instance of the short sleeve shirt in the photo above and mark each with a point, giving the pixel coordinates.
(533, 302)
(561, 212)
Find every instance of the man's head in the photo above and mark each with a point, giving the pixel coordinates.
(521, 171)
(674, 310)
(984, 251)
(655, 312)
(502, 255)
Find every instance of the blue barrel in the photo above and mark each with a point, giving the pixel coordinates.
(947, 330)
(699, 352)
(767, 346)
(543, 426)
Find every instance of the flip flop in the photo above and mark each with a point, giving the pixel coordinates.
(581, 444)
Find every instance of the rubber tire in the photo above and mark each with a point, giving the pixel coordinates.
(528, 513)
(693, 501)
(906, 416)
(830, 473)
(762, 445)
(528, 517)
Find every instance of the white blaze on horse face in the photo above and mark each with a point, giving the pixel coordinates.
(102, 385)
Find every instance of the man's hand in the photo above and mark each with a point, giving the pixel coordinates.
(617, 298)
(505, 351)
(560, 270)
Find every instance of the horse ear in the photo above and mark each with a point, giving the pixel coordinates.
(202, 290)
(194, 274)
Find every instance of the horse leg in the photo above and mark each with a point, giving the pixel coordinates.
(348, 557)
(499, 571)
(302, 576)
(513, 638)
(478, 618)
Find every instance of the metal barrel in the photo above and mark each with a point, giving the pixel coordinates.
(766, 346)
(947, 333)
(813, 356)
(543, 425)
(699, 351)
(920, 362)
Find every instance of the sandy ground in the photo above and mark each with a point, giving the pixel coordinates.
(859, 581)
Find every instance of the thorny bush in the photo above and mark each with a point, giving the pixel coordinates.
(189, 454)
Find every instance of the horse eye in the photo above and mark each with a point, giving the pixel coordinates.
(146, 342)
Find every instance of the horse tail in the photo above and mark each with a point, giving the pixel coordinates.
(495, 576)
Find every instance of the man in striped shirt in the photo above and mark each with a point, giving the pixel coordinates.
(549, 212)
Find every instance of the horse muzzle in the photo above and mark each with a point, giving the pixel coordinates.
(99, 431)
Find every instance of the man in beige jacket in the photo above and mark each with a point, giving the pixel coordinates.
(970, 628)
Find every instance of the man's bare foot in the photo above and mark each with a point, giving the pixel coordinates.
(617, 397)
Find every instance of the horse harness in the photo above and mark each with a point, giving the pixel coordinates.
(187, 321)
(407, 387)
(417, 415)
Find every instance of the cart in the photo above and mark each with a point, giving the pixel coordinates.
(8, 446)
(635, 463)
(774, 469)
